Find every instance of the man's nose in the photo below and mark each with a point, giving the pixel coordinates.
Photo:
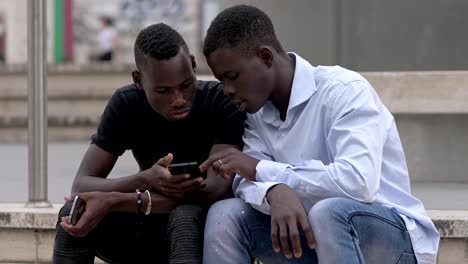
(229, 90)
(178, 98)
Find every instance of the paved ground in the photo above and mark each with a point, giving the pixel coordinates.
(63, 162)
(64, 158)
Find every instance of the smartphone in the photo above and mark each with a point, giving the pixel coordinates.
(187, 168)
(77, 209)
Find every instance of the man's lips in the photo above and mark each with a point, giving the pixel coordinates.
(180, 114)
(241, 105)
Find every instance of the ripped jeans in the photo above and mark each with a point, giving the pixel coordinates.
(346, 231)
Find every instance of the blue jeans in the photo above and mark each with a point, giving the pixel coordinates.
(346, 231)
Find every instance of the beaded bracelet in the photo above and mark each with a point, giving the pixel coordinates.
(139, 202)
(139, 222)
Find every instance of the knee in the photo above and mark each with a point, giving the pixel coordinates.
(328, 211)
(229, 209)
(226, 213)
(65, 210)
(187, 211)
(186, 214)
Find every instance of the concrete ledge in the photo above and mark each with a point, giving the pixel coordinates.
(412, 92)
(94, 68)
(423, 92)
(15, 215)
(52, 121)
(450, 223)
(27, 235)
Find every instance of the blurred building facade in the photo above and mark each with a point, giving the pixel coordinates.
(363, 35)
(80, 19)
(375, 35)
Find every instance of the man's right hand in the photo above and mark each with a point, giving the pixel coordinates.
(287, 216)
(159, 179)
(98, 204)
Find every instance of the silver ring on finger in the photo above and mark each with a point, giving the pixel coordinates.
(220, 162)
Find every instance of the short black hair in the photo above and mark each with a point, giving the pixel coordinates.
(158, 41)
(240, 26)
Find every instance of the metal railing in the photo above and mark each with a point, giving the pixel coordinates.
(37, 104)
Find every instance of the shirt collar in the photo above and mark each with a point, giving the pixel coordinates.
(303, 87)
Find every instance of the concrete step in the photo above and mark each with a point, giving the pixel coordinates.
(78, 91)
(26, 235)
(412, 92)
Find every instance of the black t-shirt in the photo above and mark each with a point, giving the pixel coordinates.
(129, 122)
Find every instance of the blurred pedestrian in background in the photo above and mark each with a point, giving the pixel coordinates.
(107, 39)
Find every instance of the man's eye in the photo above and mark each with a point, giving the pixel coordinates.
(161, 91)
(185, 85)
(232, 77)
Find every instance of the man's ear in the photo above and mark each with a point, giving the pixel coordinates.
(265, 55)
(136, 75)
(194, 63)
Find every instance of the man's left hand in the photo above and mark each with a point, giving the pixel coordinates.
(230, 161)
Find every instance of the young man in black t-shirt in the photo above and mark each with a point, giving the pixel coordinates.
(165, 117)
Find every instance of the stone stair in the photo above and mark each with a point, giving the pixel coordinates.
(26, 235)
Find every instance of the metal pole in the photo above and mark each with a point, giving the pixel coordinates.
(37, 103)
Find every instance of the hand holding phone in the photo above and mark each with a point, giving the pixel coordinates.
(190, 168)
(77, 209)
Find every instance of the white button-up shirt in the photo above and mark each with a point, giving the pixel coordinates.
(338, 140)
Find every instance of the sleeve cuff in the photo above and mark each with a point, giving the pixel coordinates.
(271, 171)
(265, 206)
(254, 193)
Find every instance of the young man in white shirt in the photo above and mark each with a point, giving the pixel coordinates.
(322, 157)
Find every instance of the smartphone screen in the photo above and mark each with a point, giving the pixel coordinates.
(76, 211)
(186, 168)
